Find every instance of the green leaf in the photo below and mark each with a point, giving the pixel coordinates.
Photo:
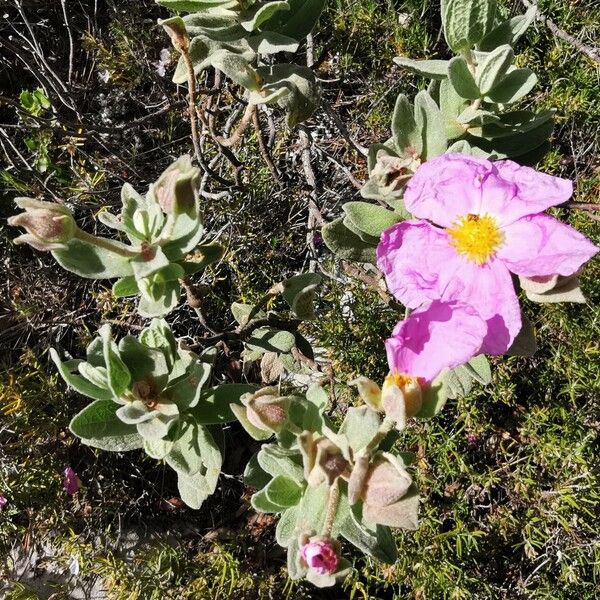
(451, 105)
(513, 87)
(79, 384)
(195, 489)
(431, 124)
(299, 21)
(192, 6)
(346, 244)
(98, 426)
(275, 460)
(494, 68)
(479, 369)
(142, 361)
(158, 298)
(237, 68)
(293, 87)
(434, 69)
(462, 79)
(524, 344)
(254, 16)
(193, 451)
(285, 532)
(466, 22)
(118, 374)
(261, 503)
(186, 392)
(405, 133)
(370, 218)
(204, 256)
(299, 292)
(434, 397)
(126, 286)
(458, 382)
(373, 540)
(271, 340)
(157, 449)
(360, 426)
(214, 405)
(283, 491)
(365, 237)
(513, 145)
(93, 262)
(508, 32)
(254, 476)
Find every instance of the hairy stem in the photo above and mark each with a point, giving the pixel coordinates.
(106, 244)
(332, 504)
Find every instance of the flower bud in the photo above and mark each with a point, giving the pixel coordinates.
(402, 397)
(323, 460)
(49, 225)
(266, 410)
(175, 28)
(176, 189)
(369, 392)
(3, 502)
(320, 554)
(387, 481)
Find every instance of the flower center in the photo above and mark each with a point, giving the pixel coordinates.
(477, 237)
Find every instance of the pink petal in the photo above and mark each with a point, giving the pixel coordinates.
(540, 245)
(489, 288)
(413, 256)
(447, 187)
(441, 335)
(535, 191)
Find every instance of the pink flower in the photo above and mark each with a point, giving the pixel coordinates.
(3, 502)
(71, 481)
(493, 225)
(320, 556)
(435, 337)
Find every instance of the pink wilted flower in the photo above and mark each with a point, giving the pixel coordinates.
(3, 502)
(491, 224)
(320, 555)
(71, 481)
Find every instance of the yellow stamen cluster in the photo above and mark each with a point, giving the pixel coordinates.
(477, 237)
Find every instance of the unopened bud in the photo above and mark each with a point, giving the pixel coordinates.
(386, 482)
(323, 460)
(320, 554)
(176, 189)
(175, 28)
(266, 410)
(49, 226)
(402, 397)
(369, 392)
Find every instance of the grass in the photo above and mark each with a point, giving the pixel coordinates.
(509, 475)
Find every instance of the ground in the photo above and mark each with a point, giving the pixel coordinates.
(509, 475)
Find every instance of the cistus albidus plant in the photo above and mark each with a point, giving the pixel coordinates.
(460, 218)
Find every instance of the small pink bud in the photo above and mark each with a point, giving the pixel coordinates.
(320, 555)
(3, 502)
(266, 410)
(48, 225)
(71, 481)
(176, 189)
